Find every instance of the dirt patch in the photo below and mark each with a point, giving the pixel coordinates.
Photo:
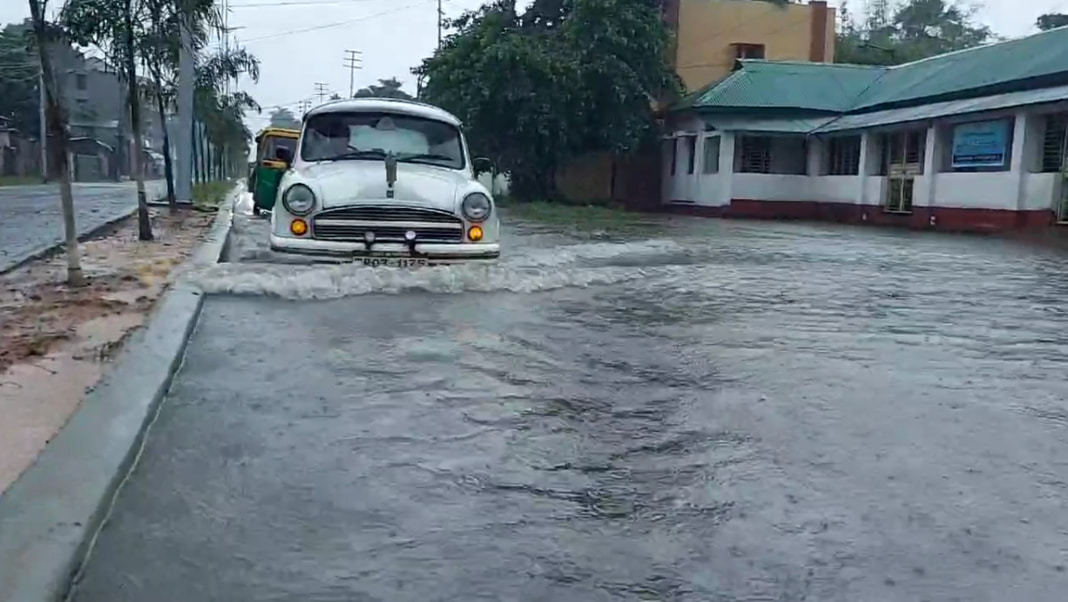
(57, 340)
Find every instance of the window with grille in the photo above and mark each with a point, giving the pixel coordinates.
(756, 155)
(904, 149)
(1054, 141)
(899, 195)
(711, 159)
(843, 156)
(691, 154)
(748, 51)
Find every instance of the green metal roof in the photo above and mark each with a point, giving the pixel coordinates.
(1038, 55)
(834, 88)
(788, 85)
(800, 125)
(924, 112)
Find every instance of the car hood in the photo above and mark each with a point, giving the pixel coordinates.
(346, 182)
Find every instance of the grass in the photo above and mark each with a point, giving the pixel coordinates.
(19, 180)
(208, 195)
(569, 213)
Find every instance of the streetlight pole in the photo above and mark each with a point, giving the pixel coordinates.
(184, 157)
(44, 126)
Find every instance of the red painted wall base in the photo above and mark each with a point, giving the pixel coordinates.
(950, 219)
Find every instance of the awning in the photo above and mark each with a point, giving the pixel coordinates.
(766, 126)
(944, 109)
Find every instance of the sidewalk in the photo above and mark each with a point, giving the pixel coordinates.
(59, 341)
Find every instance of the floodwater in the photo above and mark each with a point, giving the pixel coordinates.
(622, 409)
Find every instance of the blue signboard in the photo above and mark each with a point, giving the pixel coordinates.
(981, 144)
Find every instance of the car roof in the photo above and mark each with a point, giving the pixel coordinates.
(385, 105)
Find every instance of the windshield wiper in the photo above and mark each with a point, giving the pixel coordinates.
(357, 154)
(426, 157)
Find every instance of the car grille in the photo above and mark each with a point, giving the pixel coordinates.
(389, 224)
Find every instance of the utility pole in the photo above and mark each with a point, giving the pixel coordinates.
(44, 126)
(320, 91)
(353, 61)
(441, 19)
(183, 183)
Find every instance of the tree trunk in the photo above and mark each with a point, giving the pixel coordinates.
(144, 224)
(60, 160)
(168, 165)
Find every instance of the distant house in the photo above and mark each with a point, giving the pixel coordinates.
(8, 154)
(972, 140)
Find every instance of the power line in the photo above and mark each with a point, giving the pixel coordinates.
(320, 91)
(353, 61)
(336, 24)
(298, 4)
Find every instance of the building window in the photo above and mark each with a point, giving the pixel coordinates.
(903, 151)
(711, 158)
(1054, 142)
(691, 154)
(756, 155)
(899, 195)
(748, 51)
(81, 81)
(843, 156)
(674, 142)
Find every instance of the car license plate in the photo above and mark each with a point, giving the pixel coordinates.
(393, 262)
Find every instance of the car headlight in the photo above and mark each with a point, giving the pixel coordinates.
(476, 207)
(299, 199)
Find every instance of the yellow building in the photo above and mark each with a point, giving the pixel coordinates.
(709, 35)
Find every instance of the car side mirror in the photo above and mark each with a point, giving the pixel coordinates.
(482, 165)
(283, 155)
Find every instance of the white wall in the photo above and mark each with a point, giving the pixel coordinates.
(1017, 188)
(990, 190)
(1040, 191)
(770, 187)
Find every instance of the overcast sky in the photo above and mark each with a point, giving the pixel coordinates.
(303, 42)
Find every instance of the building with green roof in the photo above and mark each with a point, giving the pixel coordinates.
(970, 140)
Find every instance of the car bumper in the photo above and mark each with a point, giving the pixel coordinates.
(347, 251)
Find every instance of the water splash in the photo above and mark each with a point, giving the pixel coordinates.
(528, 271)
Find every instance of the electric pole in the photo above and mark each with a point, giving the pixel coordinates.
(320, 91)
(44, 126)
(441, 18)
(183, 183)
(353, 61)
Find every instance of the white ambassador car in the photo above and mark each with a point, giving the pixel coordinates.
(384, 182)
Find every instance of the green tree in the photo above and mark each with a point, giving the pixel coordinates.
(284, 118)
(159, 48)
(45, 35)
(115, 26)
(914, 30)
(1050, 21)
(557, 81)
(386, 88)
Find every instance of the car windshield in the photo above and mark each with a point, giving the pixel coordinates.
(372, 136)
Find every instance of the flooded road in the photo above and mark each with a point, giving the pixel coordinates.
(623, 409)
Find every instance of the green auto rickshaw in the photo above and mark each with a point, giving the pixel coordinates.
(268, 168)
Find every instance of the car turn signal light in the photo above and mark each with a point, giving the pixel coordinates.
(474, 234)
(299, 227)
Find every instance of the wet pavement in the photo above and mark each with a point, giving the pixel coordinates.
(30, 216)
(654, 409)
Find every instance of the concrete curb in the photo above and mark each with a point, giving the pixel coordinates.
(51, 515)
